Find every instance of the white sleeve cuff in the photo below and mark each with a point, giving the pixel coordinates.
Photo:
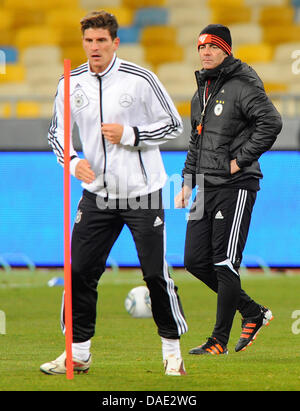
(128, 137)
(73, 164)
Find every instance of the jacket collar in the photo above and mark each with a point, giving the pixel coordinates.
(228, 66)
(110, 69)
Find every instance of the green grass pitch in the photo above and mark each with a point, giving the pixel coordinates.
(127, 351)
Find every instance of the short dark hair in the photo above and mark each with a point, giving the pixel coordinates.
(100, 19)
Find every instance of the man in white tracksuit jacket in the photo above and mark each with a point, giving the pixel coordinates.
(123, 114)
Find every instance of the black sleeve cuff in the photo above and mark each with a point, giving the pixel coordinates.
(137, 136)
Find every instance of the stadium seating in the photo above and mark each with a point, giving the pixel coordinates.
(183, 17)
(155, 35)
(14, 89)
(27, 109)
(11, 55)
(143, 3)
(5, 110)
(195, 4)
(125, 15)
(132, 52)
(188, 35)
(178, 78)
(184, 108)
(160, 54)
(254, 53)
(75, 53)
(287, 33)
(20, 109)
(263, 3)
(40, 55)
(15, 73)
(160, 43)
(191, 57)
(275, 72)
(276, 87)
(230, 15)
(151, 16)
(49, 74)
(35, 37)
(229, 3)
(95, 4)
(129, 34)
(283, 52)
(240, 33)
(277, 15)
(7, 38)
(40, 5)
(26, 17)
(68, 18)
(6, 18)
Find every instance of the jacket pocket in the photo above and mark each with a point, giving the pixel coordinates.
(215, 163)
(223, 163)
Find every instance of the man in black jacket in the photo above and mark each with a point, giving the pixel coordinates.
(233, 124)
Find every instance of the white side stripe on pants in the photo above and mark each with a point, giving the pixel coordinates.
(177, 315)
(235, 229)
(62, 314)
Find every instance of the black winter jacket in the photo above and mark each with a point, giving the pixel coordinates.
(240, 122)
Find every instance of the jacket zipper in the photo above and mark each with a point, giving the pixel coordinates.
(200, 138)
(204, 111)
(103, 139)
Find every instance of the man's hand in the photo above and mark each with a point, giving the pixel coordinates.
(112, 132)
(182, 198)
(234, 168)
(84, 172)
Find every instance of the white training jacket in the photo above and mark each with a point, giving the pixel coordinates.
(129, 95)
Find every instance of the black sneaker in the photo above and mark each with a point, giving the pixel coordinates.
(251, 327)
(212, 346)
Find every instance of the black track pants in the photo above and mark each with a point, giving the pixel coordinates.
(95, 232)
(213, 251)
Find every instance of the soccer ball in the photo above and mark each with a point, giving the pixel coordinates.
(138, 302)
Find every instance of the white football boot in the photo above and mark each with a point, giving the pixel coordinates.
(174, 366)
(58, 366)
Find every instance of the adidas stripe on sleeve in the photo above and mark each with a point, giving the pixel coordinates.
(168, 125)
